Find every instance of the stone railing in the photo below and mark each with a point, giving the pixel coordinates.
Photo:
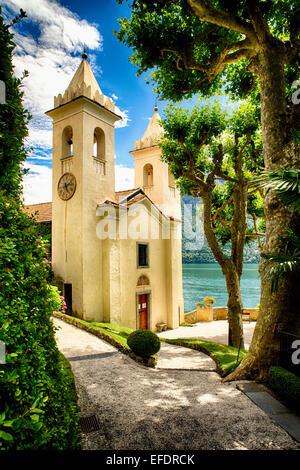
(148, 190)
(190, 317)
(215, 313)
(66, 164)
(99, 165)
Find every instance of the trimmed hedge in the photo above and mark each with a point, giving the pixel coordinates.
(37, 410)
(144, 343)
(286, 385)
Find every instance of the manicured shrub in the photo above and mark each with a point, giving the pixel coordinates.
(143, 343)
(286, 384)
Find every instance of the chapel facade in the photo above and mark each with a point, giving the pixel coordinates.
(117, 254)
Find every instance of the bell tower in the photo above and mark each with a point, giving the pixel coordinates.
(83, 176)
(151, 173)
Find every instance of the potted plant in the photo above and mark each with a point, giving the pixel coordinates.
(205, 311)
(206, 302)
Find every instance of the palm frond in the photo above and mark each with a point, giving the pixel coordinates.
(277, 266)
(285, 182)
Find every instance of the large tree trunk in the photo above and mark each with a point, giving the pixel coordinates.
(232, 276)
(280, 310)
(235, 307)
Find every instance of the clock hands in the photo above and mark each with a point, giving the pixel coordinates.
(66, 186)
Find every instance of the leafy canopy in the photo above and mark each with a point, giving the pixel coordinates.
(202, 148)
(205, 47)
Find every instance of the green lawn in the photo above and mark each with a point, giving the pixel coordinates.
(226, 356)
(117, 332)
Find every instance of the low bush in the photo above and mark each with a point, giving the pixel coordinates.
(144, 343)
(286, 385)
(56, 300)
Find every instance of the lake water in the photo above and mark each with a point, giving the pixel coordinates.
(200, 280)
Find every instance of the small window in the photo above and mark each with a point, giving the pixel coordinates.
(67, 142)
(143, 255)
(99, 144)
(148, 175)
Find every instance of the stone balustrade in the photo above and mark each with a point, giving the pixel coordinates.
(214, 313)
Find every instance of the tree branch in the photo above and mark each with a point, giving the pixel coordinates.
(209, 232)
(206, 12)
(231, 53)
(259, 23)
(226, 203)
(256, 235)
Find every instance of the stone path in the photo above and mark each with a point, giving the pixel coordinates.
(176, 406)
(216, 331)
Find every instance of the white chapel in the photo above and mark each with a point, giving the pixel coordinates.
(117, 254)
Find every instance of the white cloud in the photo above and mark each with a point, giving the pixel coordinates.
(48, 59)
(124, 115)
(124, 178)
(39, 137)
(37, 184)
(59, 27)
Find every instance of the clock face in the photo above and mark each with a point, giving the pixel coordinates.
(66, 186)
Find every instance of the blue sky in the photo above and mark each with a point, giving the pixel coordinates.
(50, 42)
(49, 45)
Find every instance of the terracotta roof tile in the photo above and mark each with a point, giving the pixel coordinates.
(44, 211)
(134, 199)
(122, 194)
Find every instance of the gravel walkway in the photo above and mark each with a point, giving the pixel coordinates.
(180, 405)
(216, 331)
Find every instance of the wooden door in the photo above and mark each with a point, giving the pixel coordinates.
(143, 311)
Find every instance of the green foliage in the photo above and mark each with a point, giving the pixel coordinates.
(206, 301)
(36, 408)
(286, 263)
(144, 343)
(186, 324)
(191, 147)
(32, 383)
(169, 39)
(283, 264)
(286, 182)
(117, 332)
(287, 385)
(56, 301)
(13, 118)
